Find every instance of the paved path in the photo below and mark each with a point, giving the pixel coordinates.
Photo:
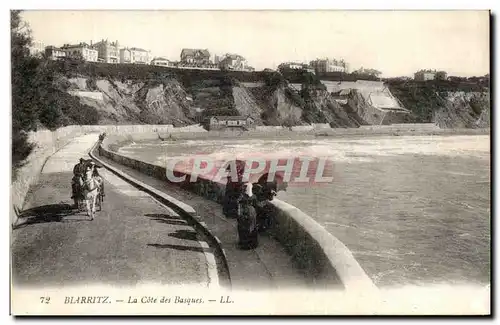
(133, 240)
(268, 266)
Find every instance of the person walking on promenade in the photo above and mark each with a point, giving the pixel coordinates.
(78, 171)
(95, 173)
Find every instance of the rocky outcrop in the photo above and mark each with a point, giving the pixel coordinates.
(464, 110)
(449, 104)
(285, 110)
(245, 103)
(153, 102)
(165, 102)
(336, 114)
(277, 104)
(170, 100)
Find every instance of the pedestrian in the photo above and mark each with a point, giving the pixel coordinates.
(95, 173)
(78, 171)
(264, 192)
(232, 193)
(247, 219)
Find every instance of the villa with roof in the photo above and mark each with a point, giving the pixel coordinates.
(134, 55)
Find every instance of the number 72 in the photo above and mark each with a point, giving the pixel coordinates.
(44, 300)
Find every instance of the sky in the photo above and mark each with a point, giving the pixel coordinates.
(397, 43)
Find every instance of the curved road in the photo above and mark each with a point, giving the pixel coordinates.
(133, 240)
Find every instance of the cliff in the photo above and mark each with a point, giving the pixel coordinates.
(132, 101)
(132, 96)
(464, 110)
(448, 104)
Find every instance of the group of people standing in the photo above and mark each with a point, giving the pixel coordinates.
(247, 203)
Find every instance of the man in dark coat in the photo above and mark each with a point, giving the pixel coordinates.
(264, 192)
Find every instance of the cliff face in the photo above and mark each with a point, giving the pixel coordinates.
(365, 113)
(245, 103)
(464, 110)
(449, 105)
(336, 114)
(286, 111)
(164, 103)
(277, 106)
(178, 101)
(127, 101)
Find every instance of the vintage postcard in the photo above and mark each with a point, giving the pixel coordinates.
(279, 162)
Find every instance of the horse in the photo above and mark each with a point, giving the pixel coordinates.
(90, 186)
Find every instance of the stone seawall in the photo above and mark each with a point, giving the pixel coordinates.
(46, 144)
(328, 262)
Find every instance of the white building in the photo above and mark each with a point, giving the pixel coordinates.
(55, 53)
(134, 55)
(295, 66)
(233, 62)
(83, 50)
(37, 48)
(159, 61)
(108, 52)
(329, 65)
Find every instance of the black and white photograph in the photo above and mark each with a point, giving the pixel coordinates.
(250, 162)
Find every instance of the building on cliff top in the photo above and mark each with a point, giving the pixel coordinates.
(55, 53)
(82, 50)
(195, 56)
(424, 75)
(233, 62)
(161, 61)
(108, 52)
(329, 65)
(134, 55)
(37, 48)
(287, 66)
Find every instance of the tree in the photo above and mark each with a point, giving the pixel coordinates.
(23, 70)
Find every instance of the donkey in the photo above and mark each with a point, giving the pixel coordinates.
(90, 186)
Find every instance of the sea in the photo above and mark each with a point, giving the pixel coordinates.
(412, 209)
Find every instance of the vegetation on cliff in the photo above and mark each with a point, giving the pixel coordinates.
(23, 69)
(39, 99)
(427, 99)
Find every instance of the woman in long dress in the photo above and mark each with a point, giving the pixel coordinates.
(232, 192)
(247, 219)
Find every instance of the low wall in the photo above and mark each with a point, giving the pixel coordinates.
(402, 127)
(302, 128)
(314, 250)
(46, 144)
(321, 125)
